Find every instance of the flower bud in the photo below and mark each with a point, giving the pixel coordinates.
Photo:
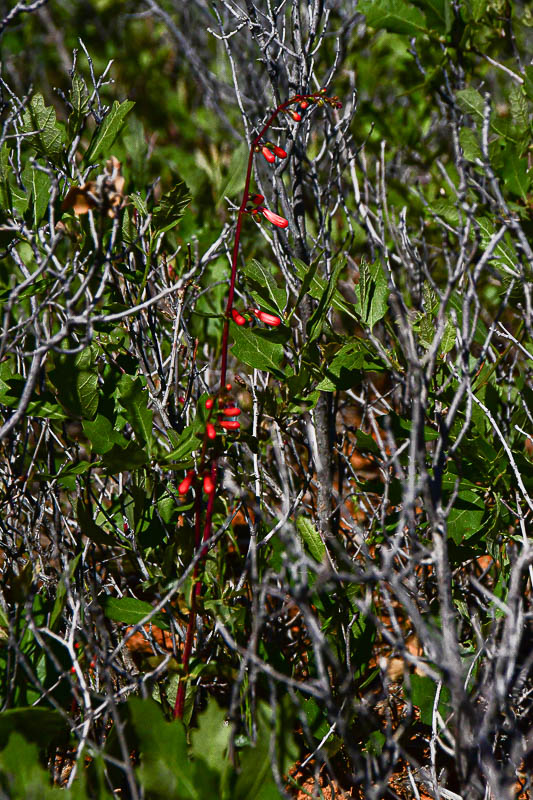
(279, 151)
(268, 319)
(185, 485)
(257, 199)
(209, 486)
(230, 424)
(209, 403)
(275, 219)
(210, 431)
(268, 154)
(238, 319)
(296, 116)
(228, 387)
(233, 411)
(304, 104)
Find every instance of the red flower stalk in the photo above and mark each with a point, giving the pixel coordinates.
(203, 528)
(210, 430)
(275, 219)
(185, 485)
(268, 154)
(268, 319)
(238, 319)
(229, 425)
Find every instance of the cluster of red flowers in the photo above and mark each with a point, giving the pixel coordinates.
(225, 420)
(259, 208)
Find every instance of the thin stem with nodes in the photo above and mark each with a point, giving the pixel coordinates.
(270, 152)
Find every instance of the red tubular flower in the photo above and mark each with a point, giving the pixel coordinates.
(230, 424)
(209, 486)
(279, 151)
(257, 199)
(268, 154)
(210, 430)
(296, 116)
(233, 411)
(275, 219)
(238, 319)
(209, 403)
(185, 485)
(268, 319)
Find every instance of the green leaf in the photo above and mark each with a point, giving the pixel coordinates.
(471, 102)
(431, 300)
(5, 171)
(102, 435)
(528, 81)
(21, 774)
(257, 349)
(187, 442)
(37, 724)
(106, 133)
(30, 290)
(372, 293)
(316, 287)
(439, 14)
(88, 526)
(210, 741)
(426, 327)
(133, 397)
(131, 611)
(40, 193)
(76, 380)
(165, 771)
(316, 320)
(171, 208)
(470, 144)
(515, 174)
(448, 338)
(504, 253)
(478, 8)
(423, 691)
(466, 515)
(20, 199)
(344, 370)
(311, 538)
(264, 287)
(396, 16)
(40, 405)
(256, 771)
(79, 100)
(124, 459)
(237, 173)
(49, 135)
(519, 108)
(366, 443)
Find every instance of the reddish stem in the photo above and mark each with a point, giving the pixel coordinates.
(197, 583)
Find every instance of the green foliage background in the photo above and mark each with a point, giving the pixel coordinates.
(96, 537)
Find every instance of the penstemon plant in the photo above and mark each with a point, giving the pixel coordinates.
(221, 406)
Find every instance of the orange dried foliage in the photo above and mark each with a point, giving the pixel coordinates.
(106, 193)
